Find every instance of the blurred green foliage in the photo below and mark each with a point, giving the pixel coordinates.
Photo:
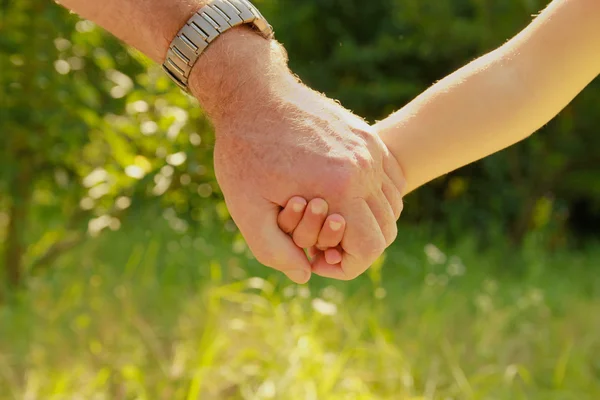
(171, 305)
(91, 130)
(146, 313)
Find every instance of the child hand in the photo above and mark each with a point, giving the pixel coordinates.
(312, 229)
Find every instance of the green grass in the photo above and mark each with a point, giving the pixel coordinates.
(142, 314)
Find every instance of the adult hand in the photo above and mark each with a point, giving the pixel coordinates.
(276, 138)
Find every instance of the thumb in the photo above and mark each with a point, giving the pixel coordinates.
(271, 246)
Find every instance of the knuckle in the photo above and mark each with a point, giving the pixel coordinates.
(355, 269)
(323, 245)
(364, 132)
(326, 241)
(392, 235)
(399, 209)
(287, 226)
(374, 249)
(303, 241)
(363, 160)
(348, 175)
(349, 272)
(401, 185)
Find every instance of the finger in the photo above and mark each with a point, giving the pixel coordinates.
(257, 220)
(393, 196)
(362, 243)
(332, 232)
(333, 255)
(312, 252)
(289, 218)
(382, 210)
(333, 271)
(307, 231)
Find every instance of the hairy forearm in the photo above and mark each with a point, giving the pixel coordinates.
(237, 68)
(500, 98)
(148, 25)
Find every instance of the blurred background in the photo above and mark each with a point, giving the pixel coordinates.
(123, 276)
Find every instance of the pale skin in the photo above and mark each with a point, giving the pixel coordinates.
(275, 139)
(496, 100)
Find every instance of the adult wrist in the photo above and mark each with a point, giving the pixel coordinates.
(238, 70)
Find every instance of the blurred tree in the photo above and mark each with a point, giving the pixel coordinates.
(87, 126)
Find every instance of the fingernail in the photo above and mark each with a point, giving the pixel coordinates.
(318, 207)
(335, 226)
(298, 207)
(297, 275)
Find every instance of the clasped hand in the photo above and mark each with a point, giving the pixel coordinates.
(279, 142)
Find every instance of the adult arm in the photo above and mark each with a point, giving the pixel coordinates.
(275, 138)
(501, 98)
(151, 25)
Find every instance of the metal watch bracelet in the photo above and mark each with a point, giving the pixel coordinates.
(202, 28)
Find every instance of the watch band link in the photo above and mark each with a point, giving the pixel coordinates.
(205, 26)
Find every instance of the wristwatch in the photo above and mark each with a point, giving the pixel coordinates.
(205, 26)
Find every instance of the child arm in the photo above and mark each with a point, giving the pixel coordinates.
(500, 98)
